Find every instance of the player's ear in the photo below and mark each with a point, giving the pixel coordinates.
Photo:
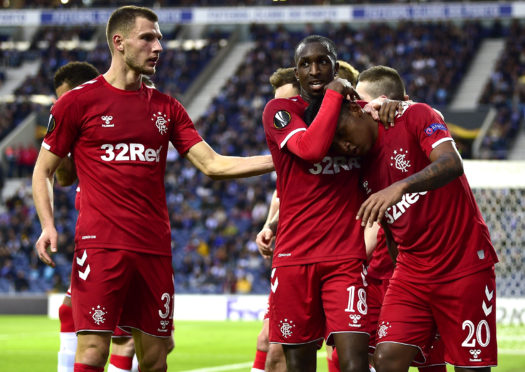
(118, 42)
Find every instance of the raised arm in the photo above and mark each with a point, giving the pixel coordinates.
(45, 167)
(313, 143)
(446, 165)
(219, 167)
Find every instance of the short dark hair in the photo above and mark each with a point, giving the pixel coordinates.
(74, 74)
(329, 45)
(283, 76)
(386, 81)
(123, 20)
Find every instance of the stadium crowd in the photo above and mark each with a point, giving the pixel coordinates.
(506, 92)
(214, 224)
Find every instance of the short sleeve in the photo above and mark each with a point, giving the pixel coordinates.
(282, 118)
(63, 126)
(184, 135)
(428, 126)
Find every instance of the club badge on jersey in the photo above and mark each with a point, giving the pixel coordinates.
(281, 119)
(51, 124)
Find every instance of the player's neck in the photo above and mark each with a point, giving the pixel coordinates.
(123, 78)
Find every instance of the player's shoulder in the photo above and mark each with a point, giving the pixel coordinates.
(162, 98)
(79, 93)
(293, 105)
(418, 108)
(296, 101)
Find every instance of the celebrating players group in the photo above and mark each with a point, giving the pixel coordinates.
(378, 247)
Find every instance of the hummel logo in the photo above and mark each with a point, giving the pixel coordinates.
(80, 261)
(274, 285)
(488, 294)
(107, 121)
(84, 275)
(486, 309)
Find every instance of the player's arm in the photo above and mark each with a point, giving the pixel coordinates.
(313, 143)
(66, 173)
(446, 165)
(385, 110)
(218, 167)
(43, 173)
(266, 236)
(371, 239)
(390, 243)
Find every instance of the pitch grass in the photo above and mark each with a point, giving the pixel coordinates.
(30, 344)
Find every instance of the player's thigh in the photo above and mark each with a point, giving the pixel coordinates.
(100, 281)
(122, 345)
(393, 356)
(465, 312)
(152, 288)
(93, 348)
(296, 313)
(262, 338)
(406, 318)
(344, 298)
(150, 349)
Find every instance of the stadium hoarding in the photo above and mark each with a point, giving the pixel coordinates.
(439, 11)
(276, 14)
(509, 311)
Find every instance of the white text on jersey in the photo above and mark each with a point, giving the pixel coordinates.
(397, 210)
(334, 165)
(130, 152)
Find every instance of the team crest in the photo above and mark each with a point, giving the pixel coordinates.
(98, 314)
(286, 327)
(282, 119)
(51, 124)
(399, 161)
(383, 329)
(161, 122)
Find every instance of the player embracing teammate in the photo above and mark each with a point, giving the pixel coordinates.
(444, 279)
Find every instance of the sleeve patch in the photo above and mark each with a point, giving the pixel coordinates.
(51, 124)
(434, 127)
(281, 119)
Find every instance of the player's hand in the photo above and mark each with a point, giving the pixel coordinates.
(384, 110)
(264, 242)
(46, 245)
(343, 87)
(373, 209)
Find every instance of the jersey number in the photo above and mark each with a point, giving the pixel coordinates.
(362, 307)
(167, 299)
(482, 328)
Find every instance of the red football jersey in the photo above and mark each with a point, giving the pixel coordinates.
(318, 201)
(440, 234)
(119, 140)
